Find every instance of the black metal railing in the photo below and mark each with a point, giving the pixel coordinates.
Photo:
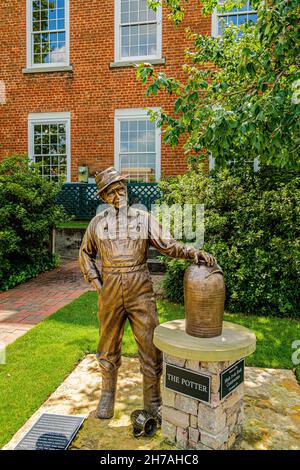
(81, 201)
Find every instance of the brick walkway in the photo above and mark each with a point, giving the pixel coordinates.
(28, 304)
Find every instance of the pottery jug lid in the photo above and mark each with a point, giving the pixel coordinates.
(203, 271)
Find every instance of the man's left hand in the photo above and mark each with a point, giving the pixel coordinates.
(203, 256)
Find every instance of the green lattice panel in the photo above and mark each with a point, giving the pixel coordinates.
(143, 193)
(81, 200)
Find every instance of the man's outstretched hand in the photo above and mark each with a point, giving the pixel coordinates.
(203, 256)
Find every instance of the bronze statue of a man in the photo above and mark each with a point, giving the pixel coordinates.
(121, 237)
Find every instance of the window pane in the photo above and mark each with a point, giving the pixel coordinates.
(240, 18)
(233, 19)
(37, 38)
(138, 40)
(137, 149)
(37, 49)
(36, 5)
(37, 129)
(252, 17)
(124, 6)
(50, 150)
(37, 59)
(61, 24)
(49, 16)
(60, 13)
(133, 126)
(36, 26)
(52, 14)
(125, 18)
(142, 125)
(61, 37)
(58, 54)
(151, 15)
(143, 50)
(62, 139)
(143, 15)
(44, 25)
(124, 126)
(45, 48)
(134, 17)
(36, 16)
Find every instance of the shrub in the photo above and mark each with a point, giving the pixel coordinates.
(252, 227)
(27, 214)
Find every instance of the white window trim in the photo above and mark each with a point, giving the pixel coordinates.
(136, 113)
(118, 57)
(214, 19)
(46, 118)
(29, 43)
(214, 23)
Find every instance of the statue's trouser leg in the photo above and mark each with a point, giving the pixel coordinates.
(106, 405)
(142, 314)
(112, 319)
(152, 396)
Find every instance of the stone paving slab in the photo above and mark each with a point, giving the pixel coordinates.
(272, 409)
(28, 304)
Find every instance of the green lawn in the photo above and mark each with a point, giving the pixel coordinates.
(41, 359)
(74, 224)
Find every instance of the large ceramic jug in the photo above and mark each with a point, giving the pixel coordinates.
(204, 298)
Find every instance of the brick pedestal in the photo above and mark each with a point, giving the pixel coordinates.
(191, 423)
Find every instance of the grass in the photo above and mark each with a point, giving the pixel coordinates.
(41, 359)
(74, 224)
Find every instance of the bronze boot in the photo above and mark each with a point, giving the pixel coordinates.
(152, 396)
(106, 405)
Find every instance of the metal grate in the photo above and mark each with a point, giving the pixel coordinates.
(81, 200)
(51, 432)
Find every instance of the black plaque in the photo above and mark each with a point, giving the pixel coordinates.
(231, 378)
(51, 432)
(186, 382)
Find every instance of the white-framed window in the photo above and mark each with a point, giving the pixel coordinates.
(49, 144)
(47, 33)
(138, 31)
(236, 16)
(254, 163)
(137, 145)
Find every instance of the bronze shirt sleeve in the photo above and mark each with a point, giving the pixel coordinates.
(162, 240)
(88, 253)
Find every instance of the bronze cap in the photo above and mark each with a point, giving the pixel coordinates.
(107, 177)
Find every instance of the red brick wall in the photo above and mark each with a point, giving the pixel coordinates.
(92, 91)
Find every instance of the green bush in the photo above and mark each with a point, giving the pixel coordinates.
(27, 214)
(252, 227)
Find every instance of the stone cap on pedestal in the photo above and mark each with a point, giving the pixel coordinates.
(235, 342)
